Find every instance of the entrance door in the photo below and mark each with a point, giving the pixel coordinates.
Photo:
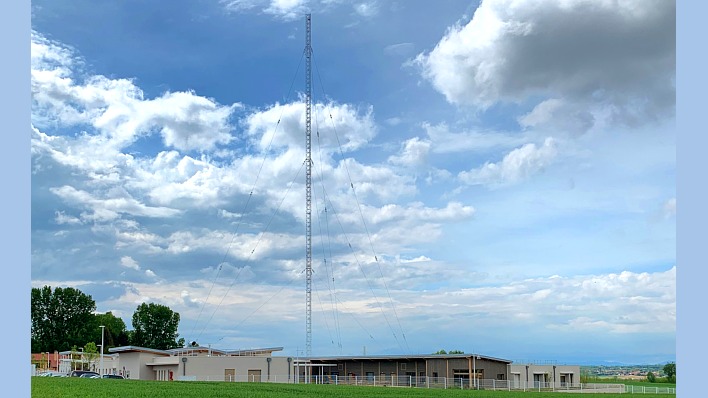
(254, 375)
(229, 374)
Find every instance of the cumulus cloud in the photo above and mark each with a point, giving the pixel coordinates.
(108, 207)
(62, 218)
(334, 125)
(413, 153)
(284, 9)
(116, 108)
(516, 165)
(128, 262)
(616, 59)
(288, 10)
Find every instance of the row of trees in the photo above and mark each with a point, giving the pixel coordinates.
(443, 352)
(669, 371)
(65, 318)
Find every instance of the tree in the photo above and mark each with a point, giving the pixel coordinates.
(155, 326)
(670, 371)
(651, 378)
(115, 333)
(61, 318)
(91, 353)
(443, 352)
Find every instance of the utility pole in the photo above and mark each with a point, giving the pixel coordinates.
(308, 185)
(103, 327)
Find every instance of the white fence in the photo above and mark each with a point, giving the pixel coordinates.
(443, 383)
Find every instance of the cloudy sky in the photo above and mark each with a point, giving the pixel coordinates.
(493, 177)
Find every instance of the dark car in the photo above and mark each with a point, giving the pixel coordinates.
(81, 373)
(113, 377)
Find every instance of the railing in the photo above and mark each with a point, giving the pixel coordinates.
(629, 389)
(440, 383)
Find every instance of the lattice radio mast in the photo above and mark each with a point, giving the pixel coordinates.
(308, 185)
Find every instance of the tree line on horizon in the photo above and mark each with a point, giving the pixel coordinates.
(66, 318)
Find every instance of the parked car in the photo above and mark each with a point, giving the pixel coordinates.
(113, 377)
(91, 375)
(52, 373)
(81, 373)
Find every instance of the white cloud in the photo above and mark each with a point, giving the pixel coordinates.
(287, 9)
(559, 116)
(367, 9)
(284, 9)
(337, 124)
(413, 153)
(610, 304)
(116, 108)
(516, 165)
(399, 49)
(62, 218)
(594, 54)
(445, 141)
(116, 201)
(129, 262)
(416, 212)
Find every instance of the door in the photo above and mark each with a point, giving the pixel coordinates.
(254, 375)
(229, 374)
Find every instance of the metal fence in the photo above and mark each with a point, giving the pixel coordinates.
(441, 383)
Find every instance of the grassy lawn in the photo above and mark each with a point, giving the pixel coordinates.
(58, 387)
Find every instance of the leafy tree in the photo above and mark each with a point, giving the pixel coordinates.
(155, 326)
(61, 318)
(670, 371)
(115, 333)
(91, 352)
(651, 378)
(443, 352)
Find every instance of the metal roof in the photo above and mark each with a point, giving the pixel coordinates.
(407, 357)
(182, 350)
(129, 348)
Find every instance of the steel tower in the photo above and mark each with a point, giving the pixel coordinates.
(308, 185)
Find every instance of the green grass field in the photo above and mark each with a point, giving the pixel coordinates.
(58, 387)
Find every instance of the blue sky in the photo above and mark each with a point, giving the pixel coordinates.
(513, 166)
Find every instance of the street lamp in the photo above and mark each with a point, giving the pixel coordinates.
(102, 329)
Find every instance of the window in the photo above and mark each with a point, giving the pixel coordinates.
(403, 366)
(462, 373)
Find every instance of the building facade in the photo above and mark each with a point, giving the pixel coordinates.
(533, 376)
(260, 365)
